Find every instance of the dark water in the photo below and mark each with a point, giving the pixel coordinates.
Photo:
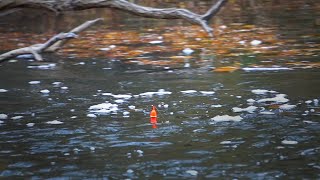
(57, 135)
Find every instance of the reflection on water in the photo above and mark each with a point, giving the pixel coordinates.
(89, 117)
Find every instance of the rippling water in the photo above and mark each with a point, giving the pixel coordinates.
(255, 124)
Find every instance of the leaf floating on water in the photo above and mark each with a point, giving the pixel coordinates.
(226, 69)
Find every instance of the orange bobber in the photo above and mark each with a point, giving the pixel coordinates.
(153, 115)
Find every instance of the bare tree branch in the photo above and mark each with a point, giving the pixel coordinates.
(123, 5)
(38, 49)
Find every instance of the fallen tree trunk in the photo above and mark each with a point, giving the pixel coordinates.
(53, 44)
(123, 5)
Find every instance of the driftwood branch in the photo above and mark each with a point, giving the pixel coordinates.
(123, 5)
(51, 45)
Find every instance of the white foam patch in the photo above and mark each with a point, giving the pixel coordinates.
(55, 122)
(45, 91)
(267, 113)
(121, 96)
(226, 142)
(104, 108)
(34, 82)
(287, 106)
(30, 124)
(249, 109)
(280, 98)
(216, 105)
(91, 115)
(160, 92)
(262, 91)
(187, 51)
(247, 69)
(16, 117)
(225, 118)
(44, 67)
(189, 91)
(255, 42)
(288, 142)
(3, 116)
(192, 172)
(156, 42)
(3, 90)
(207, 92)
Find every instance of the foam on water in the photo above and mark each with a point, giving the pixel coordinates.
(249, 109)
(188, 91)
(262, 91)
(160, 92)
(225, 118)
(287, 106)
(3, 116)
(3, 90)
(104, 108)
(55, 122)
(34, 82)
(207, 92)
(279, 98)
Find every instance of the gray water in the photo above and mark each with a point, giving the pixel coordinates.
(55, 134)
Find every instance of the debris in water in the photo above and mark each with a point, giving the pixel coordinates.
(132, 107)
(130, 171)
(91, 115)
(30, 124)
(160, 92)
(188, 91)
(156, 42)
(45, 91)
(3, 116)
(55, 122)
(255, 42)
(286, 106)
(104, 108)
(207, 92)
(187, 51)
(226, 142)
(308, 102)
(262, 91)
(280, 98)
(192, 172)
(251, 100)
(249, 109)
(225, 118)
(121, 96)
(267, 113)
(3, 90)
(16, 117)
(288, 142)
(34, 82)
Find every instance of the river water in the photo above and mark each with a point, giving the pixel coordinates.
(81, 117)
